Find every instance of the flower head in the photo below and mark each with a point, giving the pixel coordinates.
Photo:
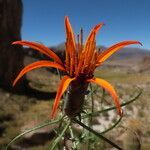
(80, 63)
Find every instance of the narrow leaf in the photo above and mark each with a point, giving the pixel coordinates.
(30, 130)
(96, 113)
(60, 136)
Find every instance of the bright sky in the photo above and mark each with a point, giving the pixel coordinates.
(43, 20)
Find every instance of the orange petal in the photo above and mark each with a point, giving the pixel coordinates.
(41, 48)
(93, 32)
(38, 64)
(69, 32)
(66, 80)
(71, 57)
(107, 86)
(89, 47)
(107, 53)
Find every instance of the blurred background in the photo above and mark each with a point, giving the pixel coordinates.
(29, 102)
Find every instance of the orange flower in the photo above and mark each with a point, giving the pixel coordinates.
(80, 64)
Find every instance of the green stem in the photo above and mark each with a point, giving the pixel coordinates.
(114, 107)
(92, 98)
(103, 95)
(113, 126)
(72, 137)
(97, 134)
(30, 130)
(60, 136)
(90, 117)
(92, 105)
